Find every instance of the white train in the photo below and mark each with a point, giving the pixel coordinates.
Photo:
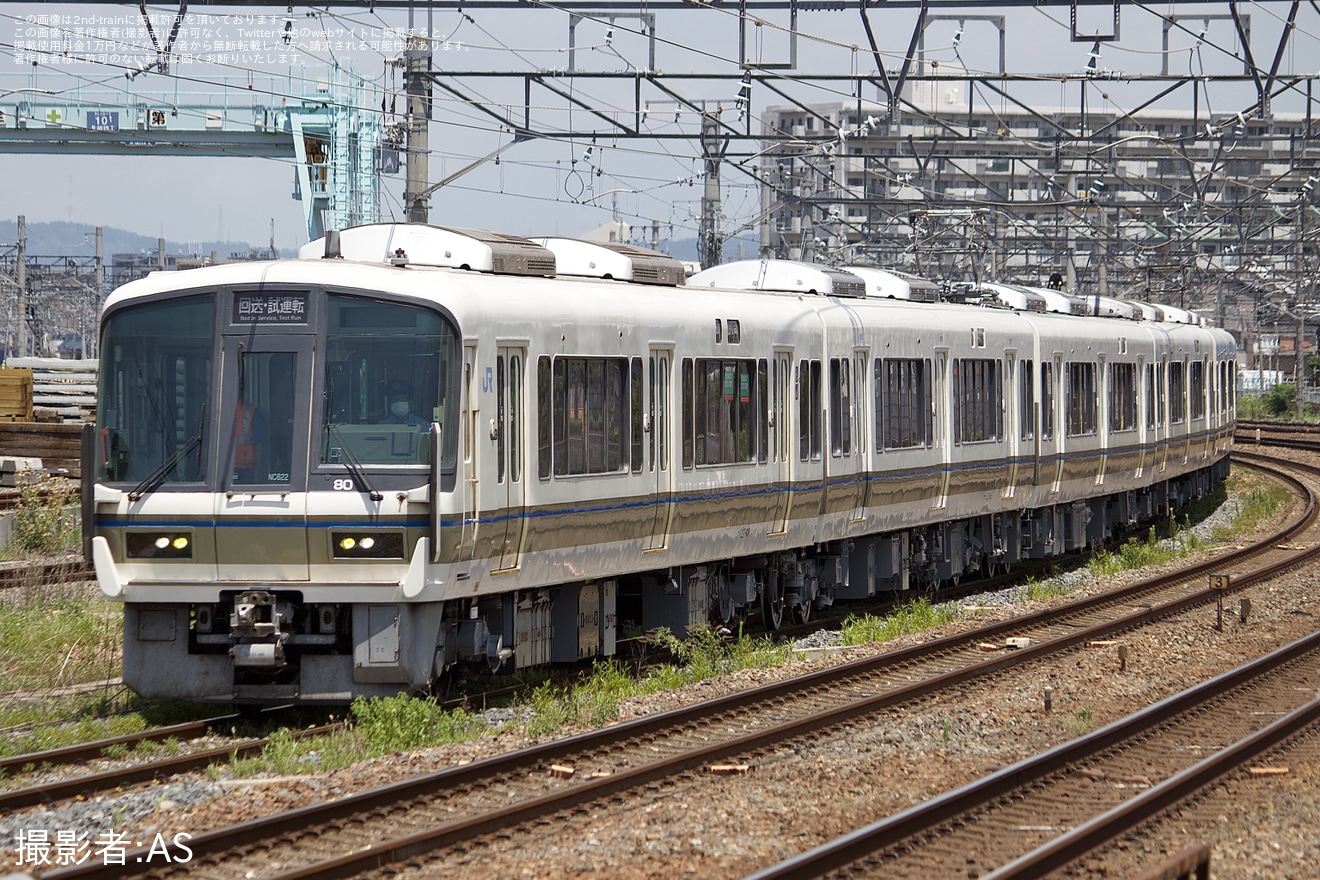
(416, 447)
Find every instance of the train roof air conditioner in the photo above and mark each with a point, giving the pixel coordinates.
(892, 284)
(787, 276)
(621, 262)
(420, 244)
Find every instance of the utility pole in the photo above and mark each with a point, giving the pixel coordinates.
(92, 349)
(21, 279)
(1299, 391)
(710, 243)
(417, 61)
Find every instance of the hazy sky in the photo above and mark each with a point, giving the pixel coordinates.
(554, 186)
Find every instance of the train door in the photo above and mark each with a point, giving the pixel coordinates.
(510, 430)
(781, 378)
(862, 449)
(1144, 404)
(658, 446)
(1104, 381)
(265, 399)
(467, 471)
(943, 444)
(1057, 405)
(810, 472)
(1013, 415)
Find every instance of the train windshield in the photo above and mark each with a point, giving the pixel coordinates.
(154, 386)
(388, 376)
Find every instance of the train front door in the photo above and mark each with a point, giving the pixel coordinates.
(265, 399)
(509, 452)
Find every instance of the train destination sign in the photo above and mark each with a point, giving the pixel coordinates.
(270, 308)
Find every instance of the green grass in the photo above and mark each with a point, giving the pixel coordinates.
(914, 617)
(45, 524)
(58, 642)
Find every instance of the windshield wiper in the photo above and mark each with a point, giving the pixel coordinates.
(156, 477)
(351, 462)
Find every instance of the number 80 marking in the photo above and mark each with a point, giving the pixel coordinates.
(344, 485)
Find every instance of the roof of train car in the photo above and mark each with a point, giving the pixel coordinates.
(470, 292)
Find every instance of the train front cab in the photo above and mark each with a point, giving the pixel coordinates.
(253, 501)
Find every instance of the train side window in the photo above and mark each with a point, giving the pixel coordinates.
(688, 427)
(1080, 397)
(1046, 401)
(727, 423)
(978, 400)
(635, 398)
(1196, 389)
(543, 417)
(763, 411)
(1177, 376)
(501, 415)
(840, 408)
(1122, 397)
(1027, 399)
(810, 425)
(589, 414)
(1150, 396)
(903, 418)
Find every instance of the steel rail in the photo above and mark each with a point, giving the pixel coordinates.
(49, 792)
(1106, 827)
(381, 799)
(930, 815)
(91, 750)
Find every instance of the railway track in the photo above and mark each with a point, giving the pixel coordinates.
(993, 828)
(47, 791)
(522, 796)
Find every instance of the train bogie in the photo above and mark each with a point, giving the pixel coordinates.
(350, 474)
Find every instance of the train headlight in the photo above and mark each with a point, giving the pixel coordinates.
(367, 545)
(158, 545)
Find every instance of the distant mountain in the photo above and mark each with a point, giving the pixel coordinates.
(64, 239)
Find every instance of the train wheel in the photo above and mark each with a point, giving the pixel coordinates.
(772, 603)
(728, 611)
(802, 613)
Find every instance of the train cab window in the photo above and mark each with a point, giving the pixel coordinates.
(978, 400)
(388, 372)
(1122, 397)
(903, 416)
(154, 387)
(810, 427)
(840, 408)
(1177, 376)
(1080, 399)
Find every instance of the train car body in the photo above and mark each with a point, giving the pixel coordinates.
(332, 477)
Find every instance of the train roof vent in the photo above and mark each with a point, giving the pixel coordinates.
(893, 284)
(780, 275)
(1108, 307)
(1148, 311)
(1175, 315)
(1004, 296)
(622, 262)
(420, 244)
(1056, 300)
